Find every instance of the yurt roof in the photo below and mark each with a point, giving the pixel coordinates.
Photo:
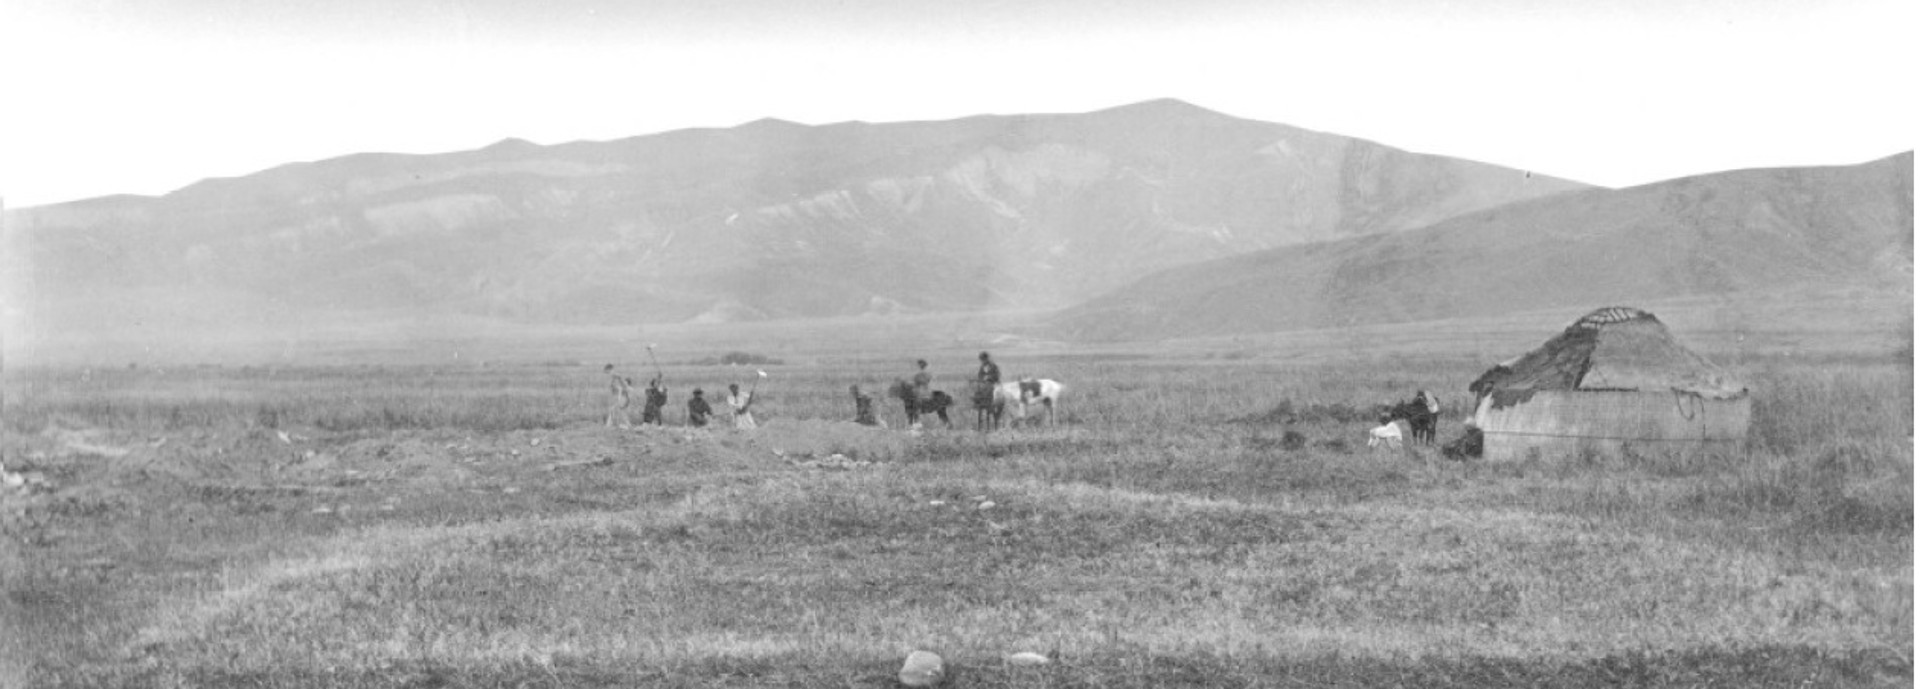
(1615, 348)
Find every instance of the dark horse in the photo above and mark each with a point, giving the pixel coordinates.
(986, 410)
(935, 403)
(1418, 418)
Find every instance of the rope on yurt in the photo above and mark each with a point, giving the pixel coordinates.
(1609, 437)
(1688, 411)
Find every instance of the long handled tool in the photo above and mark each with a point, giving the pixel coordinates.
(659, 378)
(656, 363)
(755, 387)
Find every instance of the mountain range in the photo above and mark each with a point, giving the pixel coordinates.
(767, 220)
(1148, 221)
(1730, 235)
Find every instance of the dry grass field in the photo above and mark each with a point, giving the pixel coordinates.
(472, 525)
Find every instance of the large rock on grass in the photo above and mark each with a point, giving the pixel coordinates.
(922, 669)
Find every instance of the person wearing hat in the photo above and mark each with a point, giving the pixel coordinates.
(742, 405)
(698, 409)
(919, 391)
(656, 401)
(989, 371)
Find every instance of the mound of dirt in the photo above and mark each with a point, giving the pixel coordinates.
(71, 469)
(1286, 413)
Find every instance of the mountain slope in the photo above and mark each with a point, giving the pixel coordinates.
(1720, 234)
(765, 220)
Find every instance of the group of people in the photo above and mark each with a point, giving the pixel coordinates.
(918, 398)
(699, 412)
(916, 394)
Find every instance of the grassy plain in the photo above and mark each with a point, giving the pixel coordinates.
(468, 524)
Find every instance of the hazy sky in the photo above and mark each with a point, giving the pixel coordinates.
(131, 96)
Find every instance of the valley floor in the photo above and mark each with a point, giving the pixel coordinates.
(337, 530)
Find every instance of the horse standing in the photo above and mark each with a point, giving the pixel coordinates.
(1026, 392)
(937, 403)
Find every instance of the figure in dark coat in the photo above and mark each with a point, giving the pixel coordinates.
(989, 371)
(986, 413)
(916, 395)
(656, 401)
(698, 410)
(862, 408)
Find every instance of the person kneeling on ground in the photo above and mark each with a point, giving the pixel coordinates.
(698, 410)
(862, 408)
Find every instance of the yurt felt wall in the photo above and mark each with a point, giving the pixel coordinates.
(1559, 424)
(1615, 380)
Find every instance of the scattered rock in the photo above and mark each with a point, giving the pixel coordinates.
(834, 461)
(937, 503)
(323, 509)
(987, 505)
(922, 669)
(107, 451)
(1027, 658)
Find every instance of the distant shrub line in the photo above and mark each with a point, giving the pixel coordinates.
(738, 359)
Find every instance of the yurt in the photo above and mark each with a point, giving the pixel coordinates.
(1614, 382)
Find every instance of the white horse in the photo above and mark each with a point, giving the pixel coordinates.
(1017, 396)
